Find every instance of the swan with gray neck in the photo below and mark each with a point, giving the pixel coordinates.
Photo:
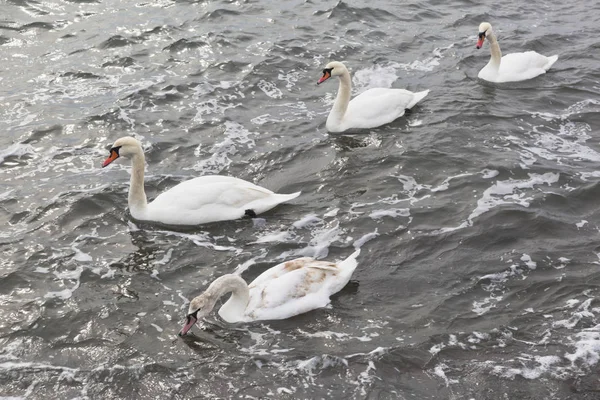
(196, 201)
(370, 109)
(512, 67)
(287, 289)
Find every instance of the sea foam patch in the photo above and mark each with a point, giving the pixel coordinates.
(235, 137)
(511, 191)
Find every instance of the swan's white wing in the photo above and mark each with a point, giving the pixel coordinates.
(521, 62)
(516, 67)
(293, 288)
(376, 107)
(289, 266)
(199, 192)
(212, 198)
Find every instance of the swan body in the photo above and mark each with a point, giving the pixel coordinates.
(287, 289)
(197, 201)
(512, 67)
(370, 109)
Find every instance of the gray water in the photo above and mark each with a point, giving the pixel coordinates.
(476, 212)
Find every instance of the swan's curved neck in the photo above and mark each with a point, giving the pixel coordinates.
(234, 308)
(137, 195)
(494, 50)
(343, 98)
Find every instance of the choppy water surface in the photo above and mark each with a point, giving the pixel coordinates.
(476, 213)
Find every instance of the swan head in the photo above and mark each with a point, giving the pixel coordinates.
(126, 146)
(485, 28)
(334, 68)
(199, 308)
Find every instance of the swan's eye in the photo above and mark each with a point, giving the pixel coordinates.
(327, 71)
(195, 313)
(115, 149)
(482, 35)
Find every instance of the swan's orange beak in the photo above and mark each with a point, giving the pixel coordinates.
(114, 154)
(326, 75)
(480, 40)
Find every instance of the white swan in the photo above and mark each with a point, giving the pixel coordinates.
(512, 67)
(287, 289)
(370, 109)
(197, 201)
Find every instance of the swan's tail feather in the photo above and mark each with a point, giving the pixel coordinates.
(417, 98)
(287, 197)
(346, 268)
(261, 205)
(350, 263)
(551, 61)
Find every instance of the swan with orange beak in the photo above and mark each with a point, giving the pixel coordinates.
(201, 200)
(370, 109)
(512, 67)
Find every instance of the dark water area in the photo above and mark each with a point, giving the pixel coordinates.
(476, 213)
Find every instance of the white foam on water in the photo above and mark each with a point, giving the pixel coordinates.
(165, 259)
(541, 365)
(263, 119)
(587, 348)
(376, 76)
(484, 306)
(282, 390)
(526, 258)
(581, 224)
(439, 371)
(415, 122)
(429, 63)
(290, 78)
(511, 192)
(559, 139)
(275, 237)
(261, 49)
(390, 212)
(489, 173)
(586, 105)
(323, 234)
(270, 89)
(585, 176)
(365, 378)
(446, 183)
(358, 243)
(288, 112)
(494, 283)
(80, 255)
(570, 328)
(17, 366)
(331, 213)
(235, 137)
(206, 108)
(17, 150)
(202, 240)
(435, 349)
(308, 220)
(250, 262)
(581, 313)
(325, 334)
(68, 275)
